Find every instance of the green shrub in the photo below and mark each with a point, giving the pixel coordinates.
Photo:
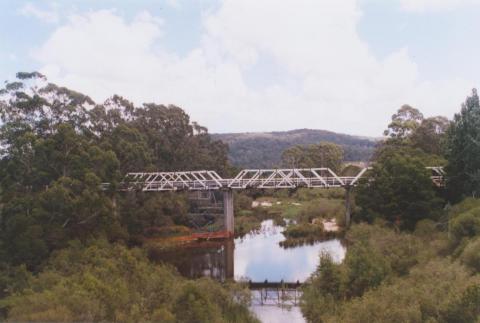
(366, 268)
(464, 309)
(401, 250)
(471, 255)
(321, 208)
(324, 289)
(104, 282)
(434, 292)
(425, 228)
(467, 204)
(465, 225)
(303, 230)
(242, 202)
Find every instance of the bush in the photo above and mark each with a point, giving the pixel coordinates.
(425, 228)
(321, 208)
(308, 194)
(471, 255)
(242, 202)
(464, 309)
(324, 289)
(467, 204)
(399, 249)
(332, 284)
(465, 225)
(366, 268)
(305, 233)
(104, 282)
(433, 292)
(167, 231)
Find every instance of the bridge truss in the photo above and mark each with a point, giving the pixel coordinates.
(249, 178)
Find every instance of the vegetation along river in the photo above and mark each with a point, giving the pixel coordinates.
(256, 257)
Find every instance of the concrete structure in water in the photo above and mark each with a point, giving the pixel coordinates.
(228, 211)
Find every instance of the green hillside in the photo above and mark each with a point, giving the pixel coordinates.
(264, 149)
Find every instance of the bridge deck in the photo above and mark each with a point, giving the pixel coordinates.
(248, 178)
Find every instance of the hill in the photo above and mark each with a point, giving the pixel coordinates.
(264, 149)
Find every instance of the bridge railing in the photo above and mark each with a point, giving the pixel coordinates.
(249, 178)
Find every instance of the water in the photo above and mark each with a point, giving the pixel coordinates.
(256, 257)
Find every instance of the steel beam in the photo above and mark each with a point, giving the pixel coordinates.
(249, 178)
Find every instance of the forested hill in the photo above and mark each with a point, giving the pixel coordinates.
(264, 149)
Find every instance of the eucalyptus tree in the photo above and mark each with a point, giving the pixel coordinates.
(463, 150)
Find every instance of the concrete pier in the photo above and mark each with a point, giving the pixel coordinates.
(348, 210)
(228, 211)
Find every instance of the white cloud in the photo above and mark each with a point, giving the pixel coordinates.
(435, 5)
(315, 70)
(173, 3)
(49, 16)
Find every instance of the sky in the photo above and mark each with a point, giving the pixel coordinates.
(254, 65)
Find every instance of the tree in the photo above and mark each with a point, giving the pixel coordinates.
(399, 189)
(404, 123)
(430, 135)
(463, 150)
(324, 154)
(58, 146)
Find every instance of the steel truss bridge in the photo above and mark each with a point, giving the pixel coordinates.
(248, 179)
(285, 178)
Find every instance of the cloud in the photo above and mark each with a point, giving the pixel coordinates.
(48, 16)
(260, 65)
(435, 5)
(173, 3)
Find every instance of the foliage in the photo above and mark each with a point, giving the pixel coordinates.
(399, 189)
(264, 150)
(374, 254)
(324, 290)
(401, 250)
(471, 255)
(103, 282)
(463, 150)
(404, 123)
(392, 277)
(428, 294)
(430, 135)
(465, 225)
(58, 146)
(305, 233)
(465, 307)
(324, 154)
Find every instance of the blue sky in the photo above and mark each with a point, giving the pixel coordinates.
(255, 65)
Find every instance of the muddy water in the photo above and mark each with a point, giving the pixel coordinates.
(256, 257)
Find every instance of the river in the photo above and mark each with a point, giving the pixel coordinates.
(256, 257)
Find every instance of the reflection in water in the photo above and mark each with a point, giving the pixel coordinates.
(256, 257)
(259, 256)
(214, 259)
(275, 314)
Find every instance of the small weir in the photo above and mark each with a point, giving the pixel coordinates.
(275, 293)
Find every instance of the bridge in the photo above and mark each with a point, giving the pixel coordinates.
(285, 178)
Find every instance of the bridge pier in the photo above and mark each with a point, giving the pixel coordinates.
(228, 211)
(348, 210)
